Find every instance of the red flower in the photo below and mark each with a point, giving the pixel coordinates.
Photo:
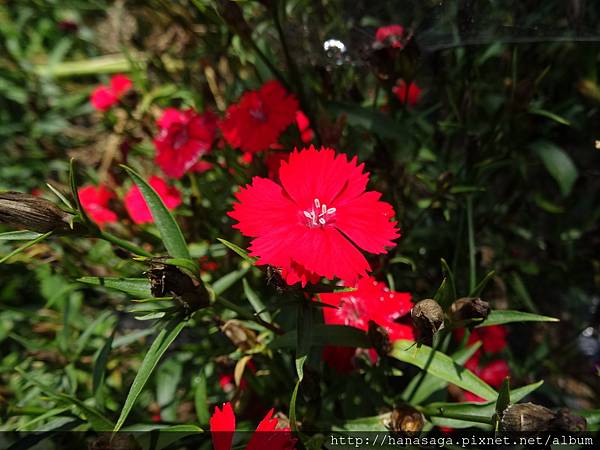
(306, 132)
(311, 225)
(136, 205)
(493, 373)
(184, 136)
(372, 300)
(103, 97)
(257, 120)
(266, 436)
(390, 36)
(409, 95)
(94, 200)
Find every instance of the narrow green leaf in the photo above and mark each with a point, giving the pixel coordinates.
(558, 163)
(550, 115)
(503, 397)
(99, 371)
(201, 400)
(442, 366)
(451, 285)
(292, 414)
(482, 284)
(95, 417)
(160, 345)
(502, 316)
(60, 195)
(243, 253)
(75, 192)
(225, 282)
(432, 383)
(21, 235)
(338, 335)
(256, 302)
(138, 287)
(166, 224)
(25, 246)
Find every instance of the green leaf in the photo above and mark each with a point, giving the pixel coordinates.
(431, 383)
(160, 345)
(558, 163)
(243, 253)
(442, 366)
(482, 284)
(483, 411)
(374, 121)
(444, 294)
(503, 397)
(592, 418)
(21, 235)
(225, 282)
(95, 417)
(550, 115)
(256, 302)
(451, 285)
(201, 400)
(292, 414)
(500, 317)
(75, 193)
(166, 224)
(100, 360)
(137, 287)
(25, 246)
(338, 335)
(62, 198)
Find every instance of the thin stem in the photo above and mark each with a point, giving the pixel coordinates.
(25, 246)
(471, 232)
(248, 316)
(439, 412)
(123, 243)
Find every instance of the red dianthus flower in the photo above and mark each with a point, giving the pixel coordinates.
(266, 436)
(256, 121)
(408, 94)
(184, 136)
(372, 300)
(103, 97)
(312, 225)
(136, 205)
(391, 35)
(94, 200)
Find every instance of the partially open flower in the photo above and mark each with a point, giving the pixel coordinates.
(32, 213)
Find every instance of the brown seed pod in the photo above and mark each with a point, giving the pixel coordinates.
(167, 280)
(32, 213)
(527, 417)
(468, 308)
(567, 421)
(379, 339)
(428, 318)
(405, 419)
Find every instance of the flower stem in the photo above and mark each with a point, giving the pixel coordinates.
(472, 268)
(123, 243)
(439, 412)
(248, 316)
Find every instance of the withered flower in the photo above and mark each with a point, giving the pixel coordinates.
(32, 213)
(428, 317)
(467, 309)
(405, 419)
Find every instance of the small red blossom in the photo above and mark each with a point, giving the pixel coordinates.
(94, 200)
(266, 436)
(493, 339)
(256, 121)
(306, 132)
(407, 94)
(390, 35)
(372, 300)
(104, 97)
(184, 136)
(136, 205)
(313, 224)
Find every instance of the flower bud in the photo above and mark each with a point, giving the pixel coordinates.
(428, 318)
(32, 213)
(468, 308)
(379, 339)
(405, 419)
(167, 280)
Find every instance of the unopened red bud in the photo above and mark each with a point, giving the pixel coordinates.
(32, 213)
(467, 309)
(428, 318)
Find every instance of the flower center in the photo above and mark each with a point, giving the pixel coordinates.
(318, 215)
(180, 137)
(258, 114)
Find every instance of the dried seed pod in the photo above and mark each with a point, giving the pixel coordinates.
(379, 338)
(167, 280)
(468, 308)
(567, 421)
(406, 420)
(428, 318)
(32, 213)
(527, 417)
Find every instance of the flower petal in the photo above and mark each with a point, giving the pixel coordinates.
(222, 427)
(267, 436)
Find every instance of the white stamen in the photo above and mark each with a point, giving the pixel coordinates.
(319, 214)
